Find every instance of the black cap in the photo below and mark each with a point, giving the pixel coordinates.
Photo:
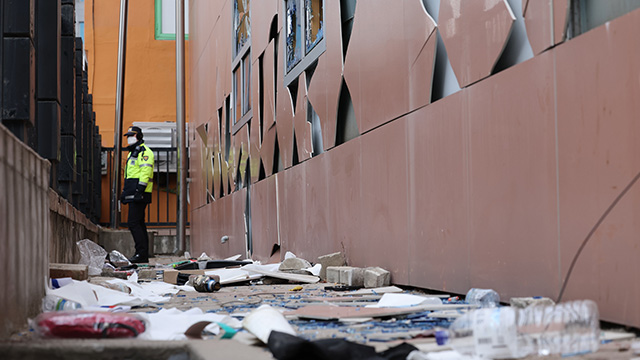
(134, 130)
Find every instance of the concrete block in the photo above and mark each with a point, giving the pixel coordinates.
(523, 302)
(74, 271)
(376, 277)
(147, 274)
(333, 274)
(352, 276)
(335, 259)
(294, 264)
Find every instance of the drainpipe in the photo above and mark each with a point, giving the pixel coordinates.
(180, 122)
(117, 129)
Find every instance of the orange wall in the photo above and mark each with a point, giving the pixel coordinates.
(149, 93)
(150, 89)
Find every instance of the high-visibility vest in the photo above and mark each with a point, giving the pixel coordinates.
(138, 171)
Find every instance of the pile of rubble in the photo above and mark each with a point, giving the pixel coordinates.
(296, 308)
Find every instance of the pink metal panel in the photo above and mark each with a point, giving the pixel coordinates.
(215, 131)
(317, 240)
(343, 204)
(598, 147)
(379, 62)
(269, 115)
(284, 112)
(513, 201)
(255, 137)
(241, 153)
(324, 90)
(384, 203)
(474, 34)
(220, 42)
(301, 125)
(438, 179)
(224, 163)
(420, 34)
(546, 23)
(263, 13)
(198, 184)
(264, 218)
(292, 212)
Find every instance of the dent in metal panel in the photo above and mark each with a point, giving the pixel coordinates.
(267, 150)
(546, 22)
(301, 126)
(324, 89)
(206, 165)
(379, 60)
(224, 152)
(474, 34)
(216, 154)
(220, 41)
(263, 13)
(284, 112)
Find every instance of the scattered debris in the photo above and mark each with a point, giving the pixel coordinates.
(265, 319)
(74, 271)
(92, 255)
(483, 297)
(335, 259)
(523, 302)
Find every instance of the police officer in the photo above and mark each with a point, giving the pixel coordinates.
(136, 191)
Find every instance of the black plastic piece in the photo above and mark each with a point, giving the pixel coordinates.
(217, 264)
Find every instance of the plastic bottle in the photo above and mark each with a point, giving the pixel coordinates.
(56, 303)
(483, 297)
(205, 283)
(567, 329)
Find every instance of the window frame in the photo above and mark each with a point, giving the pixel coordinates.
(238, 62)
(158, 34)
(307, 58)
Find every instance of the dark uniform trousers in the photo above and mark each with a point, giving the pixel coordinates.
(138, 228)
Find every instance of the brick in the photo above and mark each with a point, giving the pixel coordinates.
(74, 271)
(335, 259)
(147, 274)
(352, 276)
(333, 274)
(376, 277)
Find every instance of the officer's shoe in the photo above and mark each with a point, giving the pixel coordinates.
(139, 259)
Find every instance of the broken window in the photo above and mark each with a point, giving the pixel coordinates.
(241, 24)
(304, 31)
(293, 34)
(241, 60)
(314, 23)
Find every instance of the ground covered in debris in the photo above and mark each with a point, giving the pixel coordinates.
(315, 311)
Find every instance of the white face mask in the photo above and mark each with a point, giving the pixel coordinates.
(131, 140)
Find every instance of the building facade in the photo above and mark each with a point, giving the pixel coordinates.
(457, 144)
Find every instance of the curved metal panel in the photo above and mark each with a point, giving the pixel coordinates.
(269, 111)
(301, 126)
(255, 135)
(546, 22)
(386, 49)
(263, 13)
(284, 112)
(474, 34)
(324, 89)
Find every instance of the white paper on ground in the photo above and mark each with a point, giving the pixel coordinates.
(170, 324)
(315, 270)
(78, 291)
(234, 257)
(289, 255)
(403, 300)
(265, 319)
(229, 276)
(266, 267)
(440, 355)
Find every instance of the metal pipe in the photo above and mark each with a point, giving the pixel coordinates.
(117, 130)
(181, 124)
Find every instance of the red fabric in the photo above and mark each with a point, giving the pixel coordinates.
(89, 325)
